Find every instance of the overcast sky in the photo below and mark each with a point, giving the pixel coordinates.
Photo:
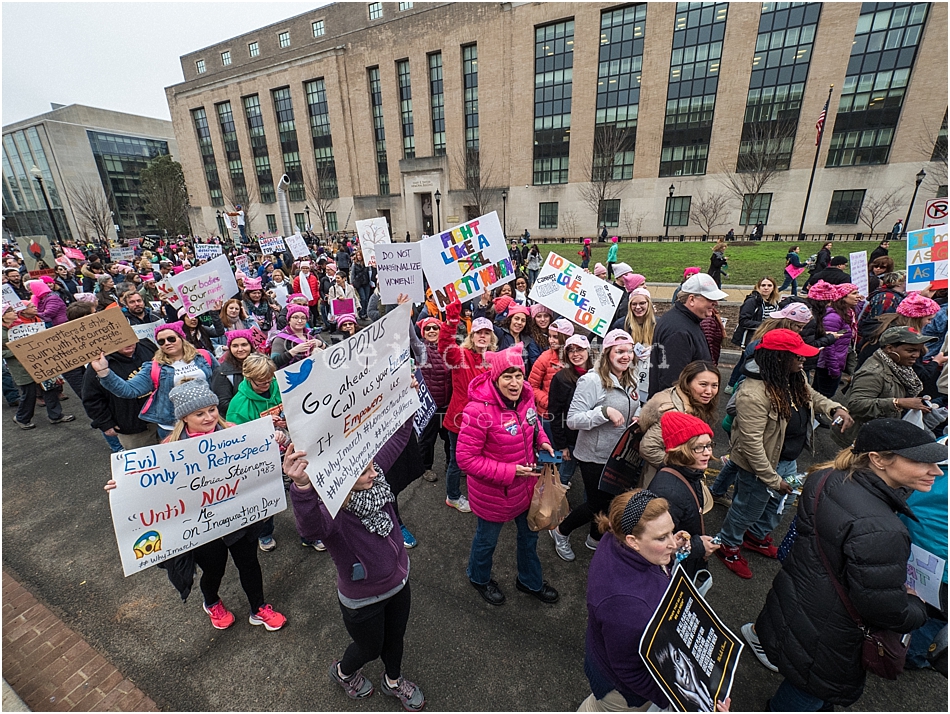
(114, 55)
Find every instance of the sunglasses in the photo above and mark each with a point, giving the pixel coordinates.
(170, 340)
(432, 327)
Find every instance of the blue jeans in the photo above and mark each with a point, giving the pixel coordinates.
(754, 507)
(365, 292)
(483, 548)
(113, 442)
(453, 474)
(790, 698)
(920, 640)
(726, 477)
(790, 281)
(10, 391)
(567, 468)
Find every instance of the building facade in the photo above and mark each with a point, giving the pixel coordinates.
(88, 159)
(690, 118)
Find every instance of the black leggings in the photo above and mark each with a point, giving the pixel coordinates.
(212, 558)
(430, 435)
(378, 630)
(597, 501)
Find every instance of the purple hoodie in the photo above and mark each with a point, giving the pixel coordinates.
(834, 357)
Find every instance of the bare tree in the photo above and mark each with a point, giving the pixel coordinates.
(480, 193)
(605, 162)
(569, 221)
(321, 187)
(92, 207)
(632, 222)
(708, 210)
(876, 209)
(764, 151)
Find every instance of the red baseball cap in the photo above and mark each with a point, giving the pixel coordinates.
(786, 341)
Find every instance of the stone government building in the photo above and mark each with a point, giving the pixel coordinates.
(426, 113)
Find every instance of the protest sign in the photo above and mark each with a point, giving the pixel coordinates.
(688, 650)
(74, 253)
(926, 257)
(581, 297)
(11, 298)
(18, 332)
(174, 497)
(859, 270)
(149, 242)
(242, 263)
(120, 254)
(146, 330)
(274, 244)
(65, 261)
(73, 344)
(343, 403)
(467, 260)
(134, 243)
(206, 286)
(37, 252)
(372, 232)
(346, 306)
(925, 573)
(207, 251)
(167, 292)
(399, 270)
(427, 406)
(298, 246)
(231, 222)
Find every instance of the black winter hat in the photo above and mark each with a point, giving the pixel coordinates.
(902, 438)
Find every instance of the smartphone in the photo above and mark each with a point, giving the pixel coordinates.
(545, 458)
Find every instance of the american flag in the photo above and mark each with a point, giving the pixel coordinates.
(820, 124)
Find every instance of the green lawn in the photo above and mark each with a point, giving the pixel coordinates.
(664, 262)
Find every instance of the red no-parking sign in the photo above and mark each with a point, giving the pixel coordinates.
(935, 213)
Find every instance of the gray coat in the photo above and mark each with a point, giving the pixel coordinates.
(596, 435)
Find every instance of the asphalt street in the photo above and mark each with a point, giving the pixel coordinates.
(465, 654)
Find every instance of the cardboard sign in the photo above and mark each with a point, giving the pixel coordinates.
(343, 307)
(174, 497)
(273, 245)
(298, 246)
(925, 573)
(467, 260)
(372, 232)
(146, 331)
(11, 298)
(205, 287)
(122, 254)
(581, 297)
(926, 257)
(73, 344)
(207, 251)
(688, 650)
(427, 406)
(37, 252)
(74, 253)
(18, 332)
(859, 270)
(399, 267)
(167, 293)
(343, 403)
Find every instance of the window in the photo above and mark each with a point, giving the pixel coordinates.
(379, 130)
(940, 144)
(255, 126)
(845, 206)
(222, 227)
(287, 130)
(300, 222)
(547, 215)
(437, 103)
(683, 160)
(755, 209)
(609, 213)
(677, 211)
(319, 29)
(332, 224)
(200, 119)
(405, 109)
(226, 58)
(553, 83)
(322, 140)
(405, 6)
(375, 10)
(271, 223)
(232, 152)
(200, 66)
(883, 53)
(283, 39)
(470, 87)
(253, 49)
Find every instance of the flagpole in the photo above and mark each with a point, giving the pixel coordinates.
(811, 181)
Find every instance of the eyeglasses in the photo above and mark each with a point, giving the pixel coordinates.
(172, 339)
(705, 447)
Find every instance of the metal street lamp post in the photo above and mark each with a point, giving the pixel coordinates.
(438, 209)
(666, 218)
(307, 209)
(38, 175)
(919, 179)
(504, 213)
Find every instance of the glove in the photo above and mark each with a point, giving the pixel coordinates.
(453, 311)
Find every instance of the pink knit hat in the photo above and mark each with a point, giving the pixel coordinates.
(822, 291)
(587, 241)
(347, 318)
(600, 271)
(177, 269)
(617, 337)
(516, 309)
(844, 290)
(505, 360)
(691, 271)
(240, 275)
(538, 308)
(614, 239)
(252, 284)
(502, 303)
(294, 309)
(632, 281)
(177, 327)
(239, 334)
(913, 305)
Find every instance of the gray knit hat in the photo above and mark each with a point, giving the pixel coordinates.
(191, 396)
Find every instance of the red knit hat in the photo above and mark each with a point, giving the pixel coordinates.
(679, 427)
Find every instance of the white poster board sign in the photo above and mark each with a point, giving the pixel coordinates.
(120, 254)
(581, 297)
(345, 402)
(274, 245)
(924, 574)
(372, 232)
(926, 257)
(242, 263)
(297, 245)
(465, 261)
(399, 269)
(11, 298)
(146, 331)
(205, 287)
(25, 330)
(859, 270)
(167, 293)
(174, 497)
(207, 251)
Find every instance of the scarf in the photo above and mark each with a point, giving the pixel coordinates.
(368, 505)
(305, 286)
(905, 375)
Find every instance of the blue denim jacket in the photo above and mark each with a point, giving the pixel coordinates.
(159, 410)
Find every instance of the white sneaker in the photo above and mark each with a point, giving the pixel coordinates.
(748, 631)
(460, 504)
(562, 544)
(591, 543)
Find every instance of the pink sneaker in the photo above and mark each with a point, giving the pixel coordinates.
(269, 618)
(221, 617)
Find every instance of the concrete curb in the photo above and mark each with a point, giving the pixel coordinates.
(11, 701)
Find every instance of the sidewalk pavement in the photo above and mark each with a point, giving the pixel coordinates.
(48, 667)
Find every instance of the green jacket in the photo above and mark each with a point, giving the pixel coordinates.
(871, 395)
(612, 253)
(247, 405)
(20, 376)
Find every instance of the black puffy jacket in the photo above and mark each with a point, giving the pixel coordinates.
(805, 629)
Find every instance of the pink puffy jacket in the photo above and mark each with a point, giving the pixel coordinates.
(492, 441)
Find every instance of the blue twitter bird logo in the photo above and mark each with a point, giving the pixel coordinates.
(295, 379)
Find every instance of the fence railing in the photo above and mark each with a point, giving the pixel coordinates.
(737, 240)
